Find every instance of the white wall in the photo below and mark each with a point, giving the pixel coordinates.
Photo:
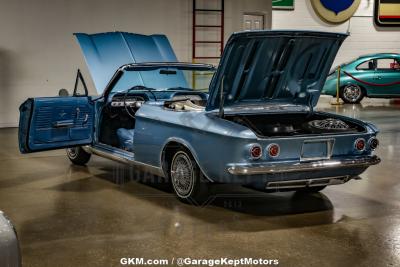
(38, 54)
(365, 38)
(234, 11)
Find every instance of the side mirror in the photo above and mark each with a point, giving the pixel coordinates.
(63, 92)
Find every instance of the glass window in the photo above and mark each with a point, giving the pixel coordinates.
(366, 65)
(166, 78)
(387, 64)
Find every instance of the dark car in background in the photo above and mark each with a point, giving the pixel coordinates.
(375, 76)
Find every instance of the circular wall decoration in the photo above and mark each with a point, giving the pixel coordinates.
(335, 11)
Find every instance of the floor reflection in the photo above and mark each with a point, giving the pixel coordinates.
(97, 214)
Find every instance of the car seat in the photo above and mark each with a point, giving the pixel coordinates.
(371, 65)
(125, 137)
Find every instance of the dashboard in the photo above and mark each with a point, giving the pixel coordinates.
(136, 100)
(131, 101)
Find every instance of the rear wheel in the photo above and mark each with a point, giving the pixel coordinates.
(187, 179)
(313, 189)
(78, 156)
(352, 94)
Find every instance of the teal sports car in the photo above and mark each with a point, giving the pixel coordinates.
(376, 76)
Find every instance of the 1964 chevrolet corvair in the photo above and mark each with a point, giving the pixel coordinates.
(254, 124)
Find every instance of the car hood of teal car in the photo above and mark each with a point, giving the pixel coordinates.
(106, 52)
(279, 69)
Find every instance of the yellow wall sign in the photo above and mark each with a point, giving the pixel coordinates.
(335, 11)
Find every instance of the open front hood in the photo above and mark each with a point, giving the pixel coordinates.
(262, 68)
(106, 52)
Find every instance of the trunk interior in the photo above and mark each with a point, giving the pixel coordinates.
(273, 125)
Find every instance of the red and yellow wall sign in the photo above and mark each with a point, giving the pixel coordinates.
(387, 13)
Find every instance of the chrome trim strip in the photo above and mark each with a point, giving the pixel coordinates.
(287, 167)
(309, 182)
(140, 165)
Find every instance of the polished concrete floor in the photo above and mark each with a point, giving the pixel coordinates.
(92, 216)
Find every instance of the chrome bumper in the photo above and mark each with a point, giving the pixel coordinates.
(273, 168)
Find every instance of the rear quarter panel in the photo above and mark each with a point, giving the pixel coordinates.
(216, 143)
(212, 141)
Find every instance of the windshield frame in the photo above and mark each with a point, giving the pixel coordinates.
(154, 66)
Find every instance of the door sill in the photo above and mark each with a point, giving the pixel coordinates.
(123, 156)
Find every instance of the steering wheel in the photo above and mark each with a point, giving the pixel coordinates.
(130, 110)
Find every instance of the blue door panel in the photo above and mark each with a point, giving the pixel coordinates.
(55, 122)
(83, 123)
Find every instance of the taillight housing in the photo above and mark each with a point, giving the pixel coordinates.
(273, 150)
(373, 143)
(359, 144)
(255, 151)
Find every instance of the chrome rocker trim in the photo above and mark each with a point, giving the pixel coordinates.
(273, 168)
(120, 158)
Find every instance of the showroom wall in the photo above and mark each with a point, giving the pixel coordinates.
(38, 54)
(365, 38)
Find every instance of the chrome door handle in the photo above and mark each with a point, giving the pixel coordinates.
(63, 124)
(85, 120)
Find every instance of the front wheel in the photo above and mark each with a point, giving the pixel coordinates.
(78, 156)
(187, 179)
(352, 94)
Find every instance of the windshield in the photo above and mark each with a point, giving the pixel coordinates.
(166, 78)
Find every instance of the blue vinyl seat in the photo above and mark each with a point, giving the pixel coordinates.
(125, 137)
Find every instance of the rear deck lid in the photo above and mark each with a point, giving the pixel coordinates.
(106, 52)
(273, 68)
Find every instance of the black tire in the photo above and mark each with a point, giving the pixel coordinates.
(188, 182)
(313, 189)
(352, 94)
(78, 156)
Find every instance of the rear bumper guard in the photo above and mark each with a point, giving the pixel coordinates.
(274, 168)
(292, 184)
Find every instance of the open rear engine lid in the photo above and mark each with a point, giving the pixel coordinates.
(273, 68)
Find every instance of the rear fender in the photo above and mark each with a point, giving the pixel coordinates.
(186, 145)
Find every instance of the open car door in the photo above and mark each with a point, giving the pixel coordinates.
(55, 122)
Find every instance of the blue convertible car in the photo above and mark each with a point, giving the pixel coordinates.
(254, 124)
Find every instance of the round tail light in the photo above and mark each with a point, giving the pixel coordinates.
(360, 144)
(256, 152)
(273, 150)
(373, 143)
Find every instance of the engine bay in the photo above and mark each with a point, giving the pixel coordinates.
(295, 124)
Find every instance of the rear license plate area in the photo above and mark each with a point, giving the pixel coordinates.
(316, 149)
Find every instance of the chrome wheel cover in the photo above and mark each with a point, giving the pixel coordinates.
(352, 92)
(72, 152)
(182, 174)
